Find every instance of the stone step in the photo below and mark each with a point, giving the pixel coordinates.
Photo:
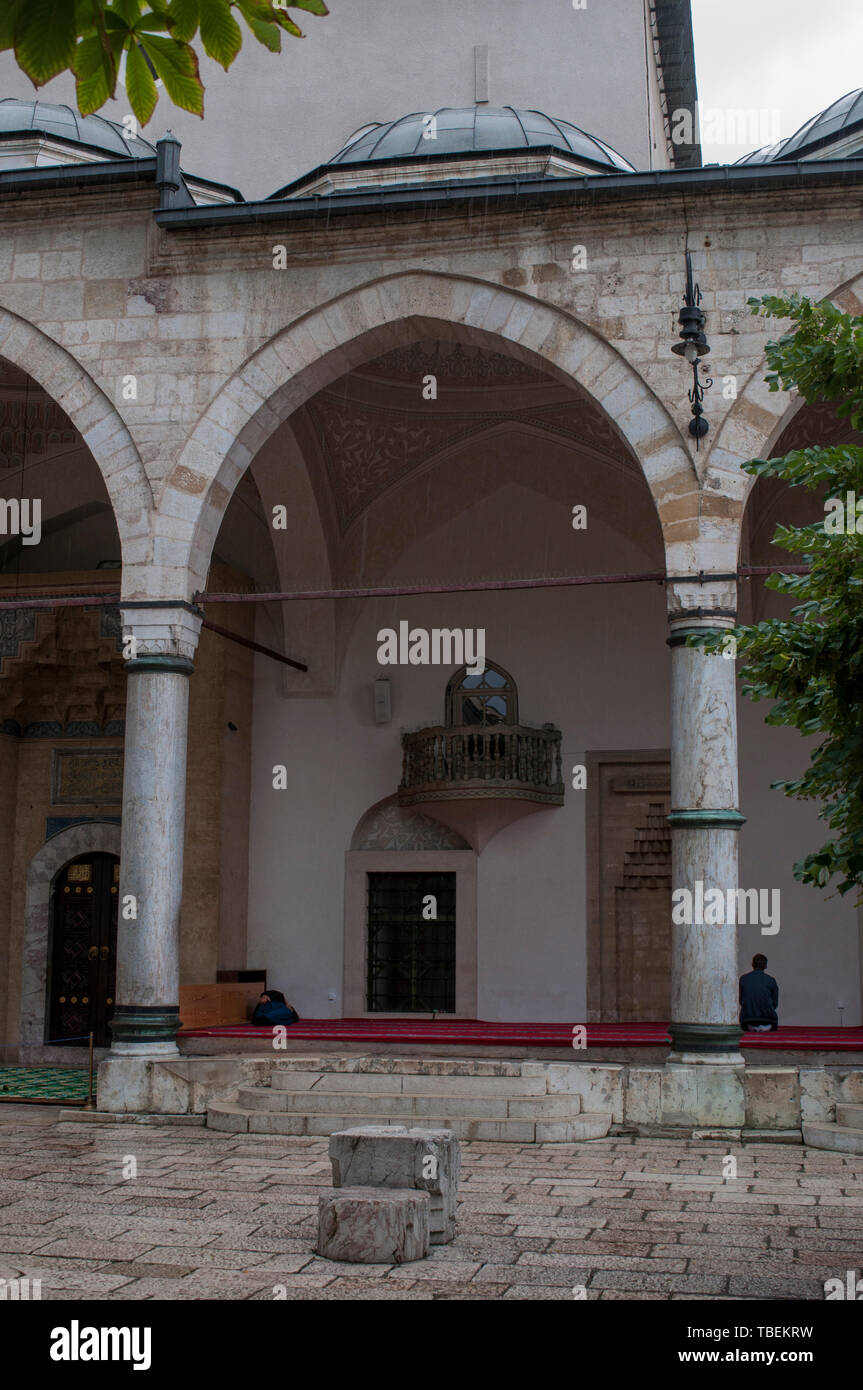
(849, 1114)
(233, 1118)
(839, 1138)
(417, 1066)
(393, 1083)
(408, 1106)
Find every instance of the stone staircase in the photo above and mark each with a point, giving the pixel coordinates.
(475, 1098)
(844, 1136)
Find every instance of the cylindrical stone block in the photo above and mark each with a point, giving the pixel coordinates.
(373, 1225)
(428, 1160)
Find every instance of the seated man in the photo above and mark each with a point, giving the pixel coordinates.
(759, 996)
(272, 1007)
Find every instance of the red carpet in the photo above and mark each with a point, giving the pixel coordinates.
(465, 1032)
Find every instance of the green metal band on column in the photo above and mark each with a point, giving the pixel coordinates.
(168, 665)
(705, 1037)
(707, 820)
(679, 636)
(142, 1023)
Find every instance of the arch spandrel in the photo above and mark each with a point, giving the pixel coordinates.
(759, 417)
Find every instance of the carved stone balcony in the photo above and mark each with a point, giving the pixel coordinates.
(471, 762)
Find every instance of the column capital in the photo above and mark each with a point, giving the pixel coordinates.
(703, 602)
(165, 633)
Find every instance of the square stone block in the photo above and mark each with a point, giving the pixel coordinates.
(702, 1096)
(373, 1225)
(772, 1097)
(428, 1160)
(643, 1096)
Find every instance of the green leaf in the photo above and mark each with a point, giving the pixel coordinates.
(95, 69)
(285, 22)
(8, 16)
(177, 65)
(313, 6)
(45, 39)
(220, 32)
(184, 17)
(128, 10)
(268, 34)
(140, 86)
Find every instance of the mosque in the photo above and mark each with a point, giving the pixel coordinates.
(388, 349)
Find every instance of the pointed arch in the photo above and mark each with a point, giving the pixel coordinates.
(334, 338)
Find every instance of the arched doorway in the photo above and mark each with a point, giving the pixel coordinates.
(83, 950)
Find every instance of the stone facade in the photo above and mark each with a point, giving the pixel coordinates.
(240, 366)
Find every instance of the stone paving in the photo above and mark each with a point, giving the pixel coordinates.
(213, 1216)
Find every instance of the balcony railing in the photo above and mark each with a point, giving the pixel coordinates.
(465, 761)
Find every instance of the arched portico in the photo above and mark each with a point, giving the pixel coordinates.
(299, 362)
(311, 353)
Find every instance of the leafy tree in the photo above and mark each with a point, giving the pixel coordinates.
(812, 663)
(89, 37)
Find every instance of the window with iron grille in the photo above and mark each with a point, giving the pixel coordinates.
(411, 959)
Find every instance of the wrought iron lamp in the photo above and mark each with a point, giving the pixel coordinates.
(692, 347)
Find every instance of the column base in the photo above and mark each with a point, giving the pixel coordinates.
(145, 1029)
(704, 1040)
(145, 1049)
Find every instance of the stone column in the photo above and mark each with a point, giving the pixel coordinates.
(159, 644)
(705, 821)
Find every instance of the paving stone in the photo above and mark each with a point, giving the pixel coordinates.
(250, 1229)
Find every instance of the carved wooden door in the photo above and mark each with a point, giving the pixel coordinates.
(84, 950)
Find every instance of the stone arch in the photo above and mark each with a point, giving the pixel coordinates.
(101, 427)
(88, 837)
(388, 826)
(336, 337)
(759, 416)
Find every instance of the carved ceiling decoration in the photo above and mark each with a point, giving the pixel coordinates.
(367, 447)
(61, 671)
(815, 426)
(454, 364)
(389, 826)
(773, 501)
(31, 423)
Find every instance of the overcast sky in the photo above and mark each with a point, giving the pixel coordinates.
(783, 60)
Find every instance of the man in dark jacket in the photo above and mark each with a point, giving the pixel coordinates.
(273, 1008)
(759, 996)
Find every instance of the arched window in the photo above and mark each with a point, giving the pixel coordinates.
(485, 700)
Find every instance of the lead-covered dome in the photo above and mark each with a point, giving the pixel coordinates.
(459, 130)
(835, 132)
(459, 142)
(61, 129)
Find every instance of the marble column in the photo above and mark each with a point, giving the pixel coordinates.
(705, 822)
(159, 663)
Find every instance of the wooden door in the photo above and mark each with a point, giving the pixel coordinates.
(84, 950)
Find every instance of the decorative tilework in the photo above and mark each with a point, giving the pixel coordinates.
(54, 824)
